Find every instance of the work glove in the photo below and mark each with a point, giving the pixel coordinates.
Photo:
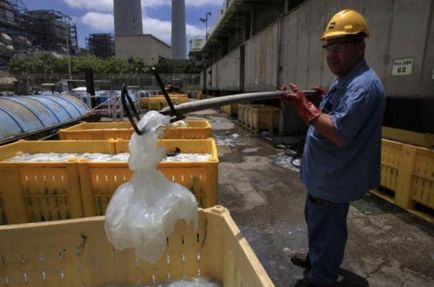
(305, 108)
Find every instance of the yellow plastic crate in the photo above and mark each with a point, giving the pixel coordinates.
(42, 191)
(243, 114)
(97, 131)
(159, 102)
(408, 171)
(230, 110)
(390, 161)
(77, 253)
(410, 137)
(180, 95)
(175, 101)
(175, 96)
(257, 118)
(100, 180)
(196, 129)
(422, 181)
(151, 103)
(39, 191)
(264, 118)
(3, 219)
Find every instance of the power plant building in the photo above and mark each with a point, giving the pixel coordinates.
(146, 47)
(130, 42)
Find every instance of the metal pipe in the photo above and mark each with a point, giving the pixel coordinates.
(230, 99)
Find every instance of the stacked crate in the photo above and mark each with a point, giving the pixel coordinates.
(43, 191)
(51, 253)
(257, 118)
(159, 102)
(231, 110)
(407, 177)
(194, 129)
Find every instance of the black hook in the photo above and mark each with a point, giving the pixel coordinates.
(124, 98)
(166, 96)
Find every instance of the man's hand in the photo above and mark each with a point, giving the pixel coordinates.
(294, 97)
(305, 108)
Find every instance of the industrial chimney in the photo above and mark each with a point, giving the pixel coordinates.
(179, 42)
(128, 17)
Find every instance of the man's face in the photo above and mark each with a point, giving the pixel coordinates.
(343, 54)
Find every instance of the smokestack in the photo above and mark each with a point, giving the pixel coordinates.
(128, 17)
(179, 42)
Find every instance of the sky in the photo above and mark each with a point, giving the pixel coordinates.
(96, 16)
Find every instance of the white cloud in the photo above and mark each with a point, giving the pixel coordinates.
(163, 29)
(195, 3)
(198, 3)
(195, 31)
(104, 22)
(107, 5)
(94, 5)
(100, 22)
(158, 28)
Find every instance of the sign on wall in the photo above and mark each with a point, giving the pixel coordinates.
(401, 67)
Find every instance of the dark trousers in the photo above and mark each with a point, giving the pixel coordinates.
(327, 236)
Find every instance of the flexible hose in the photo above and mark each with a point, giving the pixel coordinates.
(230, 99)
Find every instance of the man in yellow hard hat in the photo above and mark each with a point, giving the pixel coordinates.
(341, 158)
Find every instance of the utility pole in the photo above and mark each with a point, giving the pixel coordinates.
(205, 20)
(69, 54)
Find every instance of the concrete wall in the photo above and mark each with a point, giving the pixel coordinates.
(145, 47)
(399, 29)
(264, 14)
(229, 81)
(261, 60)
(225, 74)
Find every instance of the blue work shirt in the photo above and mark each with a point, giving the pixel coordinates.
(356, 104)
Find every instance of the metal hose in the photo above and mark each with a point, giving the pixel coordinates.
(230, 99)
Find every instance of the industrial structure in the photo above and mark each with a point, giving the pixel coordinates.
(257, 46)
(101, 45)
(128, 17)
(194, 52)
(130, 42)
(51, 30)
(179, 42)
(146, 47)
(22, 30)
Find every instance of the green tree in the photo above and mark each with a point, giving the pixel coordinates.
(19, 67)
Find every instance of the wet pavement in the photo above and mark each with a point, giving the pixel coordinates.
(387, 246)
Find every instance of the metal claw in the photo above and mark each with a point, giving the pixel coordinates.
(127, 109)
(177, 116)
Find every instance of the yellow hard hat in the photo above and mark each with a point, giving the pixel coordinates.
(345, 23)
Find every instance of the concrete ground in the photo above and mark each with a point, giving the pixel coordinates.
(387, 246)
